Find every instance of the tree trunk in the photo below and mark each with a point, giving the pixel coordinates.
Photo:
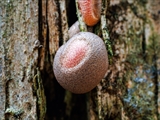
(21, 91)
(31, 32)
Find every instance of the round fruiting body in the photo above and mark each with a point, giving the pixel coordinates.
(74, 29)
(81, 63)
(90, 10)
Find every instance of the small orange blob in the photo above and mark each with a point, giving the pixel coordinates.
(90, 10)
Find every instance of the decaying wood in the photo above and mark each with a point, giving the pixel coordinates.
(53, 28)
(32, 31)
(131, 88)
(64, 21)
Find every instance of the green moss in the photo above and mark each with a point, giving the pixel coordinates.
(139, 101)
(153, 49)
(134, 44)
(140, 98)
(39, 91)
(142, 2)
(82, 25)
(14, 112)
(139, 9)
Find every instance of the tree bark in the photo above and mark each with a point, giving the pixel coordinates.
(32, 31)
(21, 91)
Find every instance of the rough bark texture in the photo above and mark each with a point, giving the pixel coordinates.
(130, 90)
(31, 31)
(21, 89)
